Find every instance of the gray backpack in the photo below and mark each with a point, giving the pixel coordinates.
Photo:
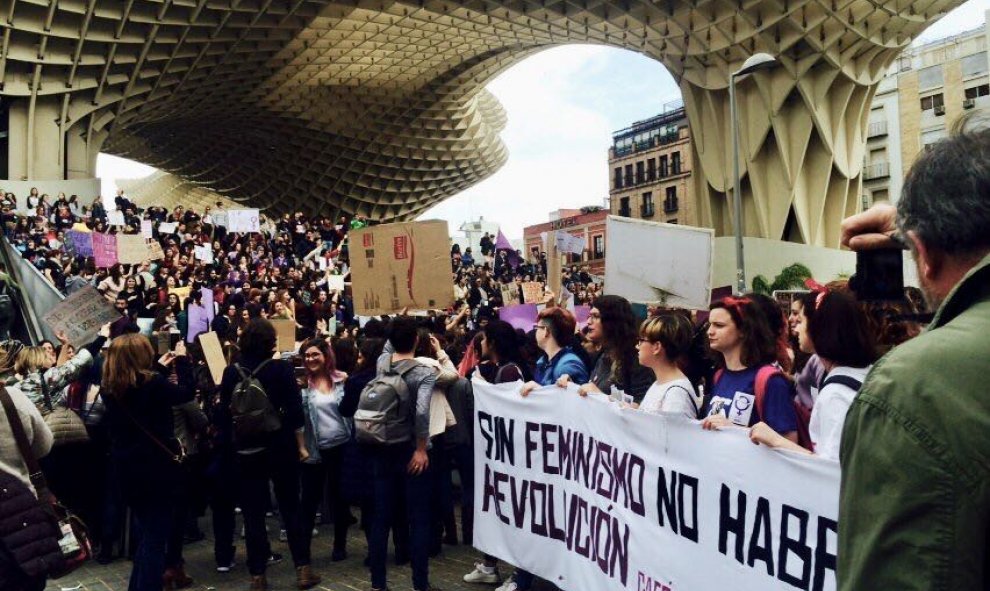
(384, 414)
(253, 414)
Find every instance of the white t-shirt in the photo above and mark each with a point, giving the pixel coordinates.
(676, 396)
(829, 414)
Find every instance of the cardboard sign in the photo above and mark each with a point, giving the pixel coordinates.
(81, 315)
(213, 353)
(654, 263)
(510, 294)
(131, 249)
(532, 292)
(243, 220)
(168, 228)
(115, 218)
(394, 266)
(147, 230)
(104, 249)
(567, 242)
(155, 252)
(285, 330)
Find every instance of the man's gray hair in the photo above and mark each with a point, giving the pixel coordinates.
(946, 195)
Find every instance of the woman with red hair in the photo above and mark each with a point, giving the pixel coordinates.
(326, 432)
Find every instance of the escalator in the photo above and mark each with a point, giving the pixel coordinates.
(35, 297)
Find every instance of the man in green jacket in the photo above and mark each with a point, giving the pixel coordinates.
(915, 500)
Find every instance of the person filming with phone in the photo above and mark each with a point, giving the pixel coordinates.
(915, 477)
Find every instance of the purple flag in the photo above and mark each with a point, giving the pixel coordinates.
(502, 243)
(198, 322)
(581, 314)
(520, 316)
(104, 249)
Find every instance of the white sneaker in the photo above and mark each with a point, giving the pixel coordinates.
(282, 535)
(509, 585)
(226, 568)
(483, 574)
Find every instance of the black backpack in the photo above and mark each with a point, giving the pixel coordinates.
(384, 414)
(252, 412)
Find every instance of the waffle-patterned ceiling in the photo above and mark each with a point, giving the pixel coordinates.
(379, 107)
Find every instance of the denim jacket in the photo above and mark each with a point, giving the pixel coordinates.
(340, 433)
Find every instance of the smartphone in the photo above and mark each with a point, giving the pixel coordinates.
(879, 275)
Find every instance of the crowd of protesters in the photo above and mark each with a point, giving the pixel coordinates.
(789, 375)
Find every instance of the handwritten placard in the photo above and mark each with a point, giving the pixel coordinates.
(155, 252)
(104, 249)
(146, 229)
(116, 218)
(243, 220)
(532, 292)
(81, 315)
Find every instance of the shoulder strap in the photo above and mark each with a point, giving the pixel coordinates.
(847, 381)
(717, 376)
(260, 365)
(175, 457)
(44, 391)
(13, 418)
(763, 376)
(404, 366)
(692, 396)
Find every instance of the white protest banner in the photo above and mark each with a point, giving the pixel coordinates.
(81, 315)
(593, 497)
(115, 218)
(204, 253)
(335, 283)
(243, 220)
(567, 242)
(167, 228)
(132, 249)
(146, 229)
(654, 263)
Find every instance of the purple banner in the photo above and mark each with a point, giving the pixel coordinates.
(104, 249)
(581, 315)
(198, 322)
(82, 242)
(520, 316)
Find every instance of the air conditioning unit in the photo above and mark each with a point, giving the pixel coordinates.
(969, 103)
(939, 110)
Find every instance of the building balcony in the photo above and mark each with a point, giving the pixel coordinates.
(646, 210)
(625, 212)
(877, 129)
(877, 170)
(670, 205)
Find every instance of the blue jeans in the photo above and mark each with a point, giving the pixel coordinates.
(389, 478)
(152, 522)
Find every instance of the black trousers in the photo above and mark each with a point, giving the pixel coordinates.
(280, 466)
(316, 478)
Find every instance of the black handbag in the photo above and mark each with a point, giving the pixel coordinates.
(73, 537)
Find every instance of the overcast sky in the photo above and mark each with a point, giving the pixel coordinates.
(562, 105)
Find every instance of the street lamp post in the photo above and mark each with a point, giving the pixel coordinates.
(757, 61)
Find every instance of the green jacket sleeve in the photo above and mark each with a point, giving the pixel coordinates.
(902, 513)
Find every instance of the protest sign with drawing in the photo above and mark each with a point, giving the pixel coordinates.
(243, 220)
(654, 263)
(81, 315)
(155, 252)
(405, 265)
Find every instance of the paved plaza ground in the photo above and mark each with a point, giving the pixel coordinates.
(445, 571)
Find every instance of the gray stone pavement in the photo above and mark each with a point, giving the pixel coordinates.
(445, 571)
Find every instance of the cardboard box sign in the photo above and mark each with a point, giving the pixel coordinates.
(81, 315)
(394, 266)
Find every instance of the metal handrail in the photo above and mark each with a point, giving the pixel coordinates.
(41, 291)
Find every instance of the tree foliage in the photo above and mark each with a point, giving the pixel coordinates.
(792, 276)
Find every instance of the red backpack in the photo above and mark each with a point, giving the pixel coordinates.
(763, 376)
